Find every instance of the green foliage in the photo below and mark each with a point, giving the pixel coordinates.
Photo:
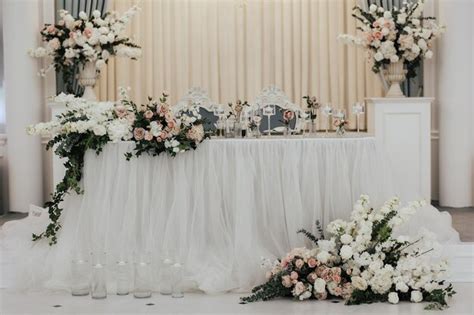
(438, 298)
(70, 147)
(268, 291)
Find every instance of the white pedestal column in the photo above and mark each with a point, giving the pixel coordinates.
(456, 104)
(402, 127)
(23, 99)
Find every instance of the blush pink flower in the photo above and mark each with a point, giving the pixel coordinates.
(312, 262)
(51, 29)
(87, 32)
(148, 114)
(148, 136)
(378, 35)
(286, 281)
(294, 275)
(312, 277)
(321, 296)
(284, 263)
(139, 133)
(299, 263)
(336, 278)
(120, 111)
(288, 115)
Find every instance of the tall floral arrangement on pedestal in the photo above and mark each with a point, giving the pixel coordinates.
(396, 38)
(86, 43)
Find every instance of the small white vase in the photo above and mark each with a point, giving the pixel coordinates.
(395, 74)
(87, 79)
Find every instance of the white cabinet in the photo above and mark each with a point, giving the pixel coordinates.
(402, 127)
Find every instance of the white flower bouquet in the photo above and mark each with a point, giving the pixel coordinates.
(361, 262)
(74, 42)
(400, 34)
(88, 125)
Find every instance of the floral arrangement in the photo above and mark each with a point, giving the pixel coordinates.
(237, 108)
(400, 34)
(72, 43)
(361, 262)
(313, 105)
(340, 124)
(87, 125)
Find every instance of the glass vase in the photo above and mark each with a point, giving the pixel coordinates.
(143, 280)
(166, 277)
(123, 278)
(80, 276)
(99, 279)
(177, 271)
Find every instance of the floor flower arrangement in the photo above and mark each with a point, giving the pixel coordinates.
(88, 125)
(361, 261)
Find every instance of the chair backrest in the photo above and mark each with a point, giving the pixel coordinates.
(274, 96)
(198, 97)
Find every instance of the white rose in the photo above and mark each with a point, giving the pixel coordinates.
(385, 31)
(176, 150)
(70, 53)
(373, 8)
(99, 130)
(346, 239)
(393, 297)
(387, 14)
(346, 252)
(394, 59)
(416, 296)
(402, 18)
(96, 14)
(323, 256)
(401, 286)
(415, 22)
(105, 54)
(359, 283)
(429, 54)
(305, 295)
(378, 56)
(104, 30)
(83, 15)
(319, 285)
(99, 64)
(103, 39)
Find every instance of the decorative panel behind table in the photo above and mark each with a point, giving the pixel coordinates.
(402, 127)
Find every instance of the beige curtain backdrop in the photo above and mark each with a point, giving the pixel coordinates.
(235, 48)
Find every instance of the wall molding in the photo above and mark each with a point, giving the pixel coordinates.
(434, 135)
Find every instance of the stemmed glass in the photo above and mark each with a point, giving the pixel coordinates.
(269, 111)
(327, 112)
(257, 120)
(358, 109)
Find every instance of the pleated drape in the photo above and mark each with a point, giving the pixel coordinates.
(234, 49)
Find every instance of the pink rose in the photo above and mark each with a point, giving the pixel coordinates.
(148, 136)
(320, 270)
(120, 111)
(131, 117)
(294, 275)
(337, 123)
(336, 278)
(312, 277)
(326, 275)
(139, 134)
(337, 291)
(51, 29)
(164, 135)
(336, 270)
(286, 281)
(299, 263)
(87, 32)
(284, 263)
(171, 124)
(378, 35)
(376, 24)
(148, 114)
(312, 262)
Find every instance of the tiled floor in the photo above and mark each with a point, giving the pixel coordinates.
(64, 303)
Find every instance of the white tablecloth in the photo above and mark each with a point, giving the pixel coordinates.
(220, 208)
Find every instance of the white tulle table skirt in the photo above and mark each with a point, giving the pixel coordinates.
(220, 209)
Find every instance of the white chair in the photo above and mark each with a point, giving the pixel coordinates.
(198, 97)
(274, 96)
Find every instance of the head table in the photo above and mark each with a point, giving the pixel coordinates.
(218, 209)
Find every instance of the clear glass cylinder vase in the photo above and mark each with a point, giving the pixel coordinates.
(143, 276)
(123, 278)
(80, 276)
(166, 277)
(177, 271)
(99, 278)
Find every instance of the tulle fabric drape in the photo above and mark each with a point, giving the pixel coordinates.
(218, 209)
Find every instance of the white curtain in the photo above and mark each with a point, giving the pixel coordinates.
(235, 48)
